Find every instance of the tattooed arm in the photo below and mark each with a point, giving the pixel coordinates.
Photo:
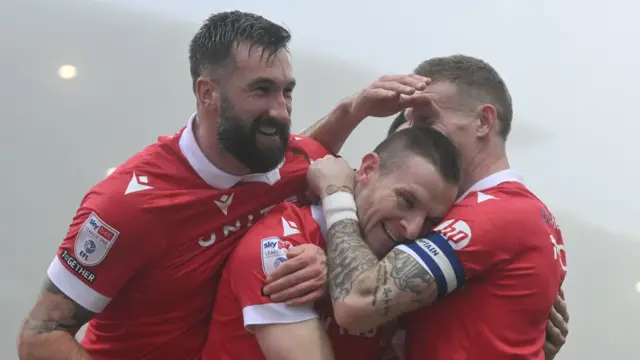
(366, 292)
(49, 330)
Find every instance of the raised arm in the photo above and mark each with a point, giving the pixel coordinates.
(333, 130)
(50, 328)
(387, 96)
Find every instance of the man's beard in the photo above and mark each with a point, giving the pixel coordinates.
(239, 138)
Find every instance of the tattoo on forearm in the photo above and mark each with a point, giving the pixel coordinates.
(409, 276)
(348, 257)
(394, 285)
(332, 189)
(399, 271)
(55, 311)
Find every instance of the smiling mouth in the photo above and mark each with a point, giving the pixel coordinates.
(268, 130)
(389, 233)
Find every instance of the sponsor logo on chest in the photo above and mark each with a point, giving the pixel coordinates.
(237, 226)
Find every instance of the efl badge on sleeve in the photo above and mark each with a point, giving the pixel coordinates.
(94, 240)
(274, 252)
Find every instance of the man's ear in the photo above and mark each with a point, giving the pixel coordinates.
(487, 120)
(208, 93)
(369, 167)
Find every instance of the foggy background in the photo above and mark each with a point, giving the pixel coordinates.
(571, 67)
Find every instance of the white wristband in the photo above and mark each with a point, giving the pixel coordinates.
(339, 206)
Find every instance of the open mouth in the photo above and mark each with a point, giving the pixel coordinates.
(389, 233)
(268, 130)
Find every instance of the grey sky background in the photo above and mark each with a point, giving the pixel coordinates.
(571, 68)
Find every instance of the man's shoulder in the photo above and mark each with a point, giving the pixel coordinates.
(507, 211)
(144, 179)
(504, 203)
(283, 220)
(306, 147)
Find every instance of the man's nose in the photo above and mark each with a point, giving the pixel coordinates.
(413, 227)
(281, 110)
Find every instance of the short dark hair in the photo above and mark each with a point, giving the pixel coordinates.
(425, 142)
(476, 79)
(213, 45)
(397, 122)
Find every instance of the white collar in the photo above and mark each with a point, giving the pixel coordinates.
(210, 173)
(494, 179)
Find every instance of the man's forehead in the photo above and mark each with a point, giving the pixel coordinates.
(255, 58)
(441, 91)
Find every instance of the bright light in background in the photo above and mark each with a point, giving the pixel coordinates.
(67, 72)
(110, 170)
(638, 286)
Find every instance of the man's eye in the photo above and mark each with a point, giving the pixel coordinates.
(407, 201)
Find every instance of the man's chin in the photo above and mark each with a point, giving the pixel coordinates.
(263, 164)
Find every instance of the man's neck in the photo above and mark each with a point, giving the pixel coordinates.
(206, 138)
(484, 166)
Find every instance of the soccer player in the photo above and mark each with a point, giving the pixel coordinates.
(498, 257)
(411, 176)
(144, 249)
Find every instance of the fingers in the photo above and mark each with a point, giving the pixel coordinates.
(411, 80)
(307, 299)
(549, 350)
(558, 322)
(554, 336)
(302, 274)
(288, 267)
(560, 306)
(401, 84)
(417, 100)
(297, 285)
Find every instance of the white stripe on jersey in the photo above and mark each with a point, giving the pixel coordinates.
(75, 288)
(277, 313)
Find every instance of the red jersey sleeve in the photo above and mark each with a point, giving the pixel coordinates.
(110, 238)
(472, 238)
(262, 250)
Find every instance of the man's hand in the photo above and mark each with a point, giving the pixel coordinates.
(330, 175)
(389, 95)
(557, 328)
(300, 280)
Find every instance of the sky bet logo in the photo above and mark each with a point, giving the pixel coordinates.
(277, 244)
(270, 244)
(94, 224)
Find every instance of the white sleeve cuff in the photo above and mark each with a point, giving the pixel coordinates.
(277, 313)
(74, 288)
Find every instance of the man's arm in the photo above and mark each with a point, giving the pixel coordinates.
(49, 330)
(333, 130)
(366, 292)
(304, 340)
(385, 97)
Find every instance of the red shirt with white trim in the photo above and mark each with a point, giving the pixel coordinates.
(146, 245)
(240, 303)
(502, 252)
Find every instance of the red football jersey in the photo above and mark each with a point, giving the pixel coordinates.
(502, 250)
(144, 249)
(240, 304)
